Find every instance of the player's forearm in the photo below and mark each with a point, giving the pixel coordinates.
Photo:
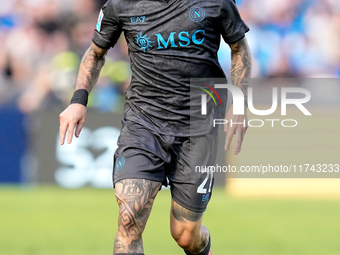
(90, 67)
(241, 64)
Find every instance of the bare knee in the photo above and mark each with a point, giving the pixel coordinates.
(187, 229)
(185, 238)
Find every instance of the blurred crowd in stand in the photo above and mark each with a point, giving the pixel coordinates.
(42, 42)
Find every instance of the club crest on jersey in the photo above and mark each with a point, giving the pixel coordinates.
(120, 163)
(99, 22)
(197, 14)
(144, 42)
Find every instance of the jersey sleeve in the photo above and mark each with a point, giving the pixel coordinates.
(233, 27)
(108, 28)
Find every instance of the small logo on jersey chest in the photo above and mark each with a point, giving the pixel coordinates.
(139, 19)
(197, 14)
(144, 42)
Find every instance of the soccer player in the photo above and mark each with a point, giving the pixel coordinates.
(170, 42)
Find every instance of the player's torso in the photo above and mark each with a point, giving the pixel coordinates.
(177, 27)
(169, 44)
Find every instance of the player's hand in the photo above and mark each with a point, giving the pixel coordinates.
(238, 130)
(72, 118)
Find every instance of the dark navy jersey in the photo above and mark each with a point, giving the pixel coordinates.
(170, 42)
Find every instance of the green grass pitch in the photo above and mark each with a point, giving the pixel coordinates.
(54, 221)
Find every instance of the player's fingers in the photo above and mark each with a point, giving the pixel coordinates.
(228, 139)
(70, 132)
(244, 130)
(226, 127)
(62, 133)
(79, 128)
(238, 141)
(62, 130)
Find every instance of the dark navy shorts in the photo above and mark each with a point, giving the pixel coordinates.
(175, 161)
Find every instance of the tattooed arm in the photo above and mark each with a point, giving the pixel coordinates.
(74, 115)
(241, 66)
(90, 67)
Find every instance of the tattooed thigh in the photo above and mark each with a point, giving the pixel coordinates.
(135, 198)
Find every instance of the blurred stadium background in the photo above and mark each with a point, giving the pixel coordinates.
(57, 200)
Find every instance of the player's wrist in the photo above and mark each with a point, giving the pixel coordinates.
(80, 96)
